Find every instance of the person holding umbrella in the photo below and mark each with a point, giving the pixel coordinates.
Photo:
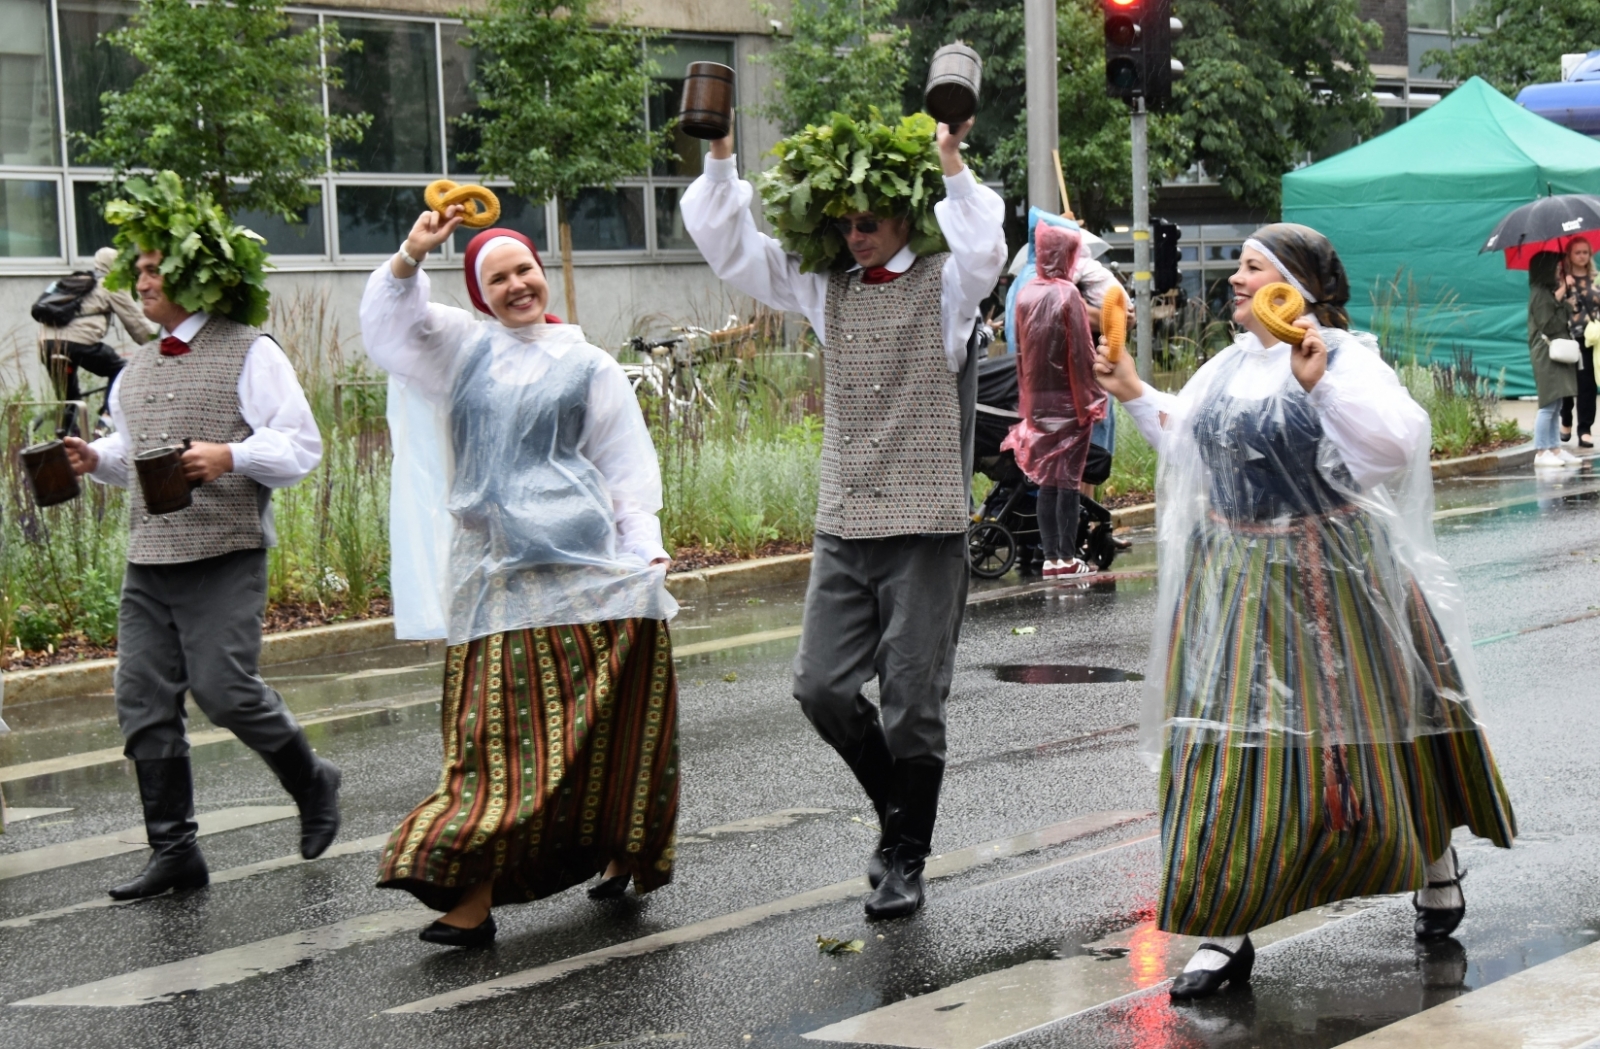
(1575, 289)
(1556, 381)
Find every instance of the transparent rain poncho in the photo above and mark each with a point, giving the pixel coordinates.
(525, 450)
(1302, 601)
(1058, 397)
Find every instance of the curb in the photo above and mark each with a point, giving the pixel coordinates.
(95, 675)
(1489, 462)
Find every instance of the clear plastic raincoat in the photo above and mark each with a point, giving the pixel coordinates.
(525, 450)
(1059, 399)
(1302, 601)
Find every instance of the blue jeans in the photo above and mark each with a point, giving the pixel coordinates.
(1547, 426)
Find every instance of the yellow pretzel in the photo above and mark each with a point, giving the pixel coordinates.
(1114, 321)
(1277, 306)
(479, 203)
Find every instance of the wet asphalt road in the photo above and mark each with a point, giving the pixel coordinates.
(312, 955)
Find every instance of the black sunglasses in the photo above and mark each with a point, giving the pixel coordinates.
(864, 226)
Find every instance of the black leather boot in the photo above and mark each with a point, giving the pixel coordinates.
(909, 832)
(873, 766)
(313, 783)
(166, 789)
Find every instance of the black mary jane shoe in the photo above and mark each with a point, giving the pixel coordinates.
(1585, 441)
(611, 888)
(1436, 923)
(453, 936)
(1203, 983)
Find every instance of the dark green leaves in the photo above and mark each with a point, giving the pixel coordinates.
(208, 263)
(845, 55)
(846, 166)
(1518, 42)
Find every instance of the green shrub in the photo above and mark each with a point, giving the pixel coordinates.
(37, 628)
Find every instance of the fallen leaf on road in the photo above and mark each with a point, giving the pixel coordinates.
(827, 945)
(730, 676)
(1020, 630)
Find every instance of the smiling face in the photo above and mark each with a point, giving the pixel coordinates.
(1254, 273)
(513, 285)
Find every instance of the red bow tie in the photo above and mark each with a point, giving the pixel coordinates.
(878, 275)
(172, 346)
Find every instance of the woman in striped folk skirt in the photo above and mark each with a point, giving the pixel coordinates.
(1310, 702)
(560, 703)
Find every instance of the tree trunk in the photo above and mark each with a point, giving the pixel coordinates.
(566, 261)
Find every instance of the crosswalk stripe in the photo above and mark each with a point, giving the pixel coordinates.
(23, 815)
(219, 968)
(222, 877)
(67, 853)
(938, 867)
(1555, 1004)
(1012, 1001)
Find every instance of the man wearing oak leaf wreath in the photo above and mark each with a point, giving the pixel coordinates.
(195, 589)
(889, 565)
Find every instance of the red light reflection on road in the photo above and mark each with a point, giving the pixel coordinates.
(1147, 955)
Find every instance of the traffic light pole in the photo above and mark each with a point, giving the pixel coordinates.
(1141, 241)
(1044, 135)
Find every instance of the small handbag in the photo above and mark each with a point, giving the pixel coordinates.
(1591, 334)
(1563, 351)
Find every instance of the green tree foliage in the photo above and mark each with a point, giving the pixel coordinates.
(1513, 43)
(228, 95)
(560, 104)
(844, 55)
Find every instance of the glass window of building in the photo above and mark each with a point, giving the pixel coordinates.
(304, 236)
(672, 57)
(89, 65)
(608, 220)
(28, 130)
(670, 233)
(374, 220)
(394, 77)
(93, 231)
(29, 219)
(516, 213)
(1428, 14)
(459, 68)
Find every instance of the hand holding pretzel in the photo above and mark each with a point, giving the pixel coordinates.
(1280, 310)
(480, 207)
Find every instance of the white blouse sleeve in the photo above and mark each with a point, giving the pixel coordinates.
(1147, 411)
(972, 219)
(617, 441)
(716, 212)
(410, 337)
(1367, 414)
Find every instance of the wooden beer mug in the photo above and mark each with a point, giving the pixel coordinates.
(706, 110)
(50, 473)
(954, 76)
(166, 490)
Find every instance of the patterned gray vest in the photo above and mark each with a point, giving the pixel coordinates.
(892, 437)
(195, 396)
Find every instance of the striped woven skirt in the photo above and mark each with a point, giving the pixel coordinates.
(560, 755)
(1322, 747)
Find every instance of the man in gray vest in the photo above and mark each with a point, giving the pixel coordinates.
(195, 589)
(889, 564)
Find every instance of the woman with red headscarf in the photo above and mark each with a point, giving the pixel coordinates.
(1060, 399)
(560, 702)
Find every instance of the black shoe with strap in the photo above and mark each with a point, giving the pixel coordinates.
(610, 888)
(1436, 923)
(1202, 983)
(454, 936)
(313, 783)
(166, 790)
(908, 831)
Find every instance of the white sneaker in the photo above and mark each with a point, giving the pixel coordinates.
(1075, 567)
(1567, 458)
(1547, 457)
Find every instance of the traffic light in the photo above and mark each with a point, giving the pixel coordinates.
(1161, 69)
(1165, 234)
(1125, 70)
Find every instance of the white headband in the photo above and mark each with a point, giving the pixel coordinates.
(495, 242)
(1277, 264)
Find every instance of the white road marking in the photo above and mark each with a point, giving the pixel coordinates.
(1555, 1005)
(219, 968)
(23, 815)
(938, 867)
(737, 641)
(1003, 1004)
(771, 821)
(51, 857)
(222, 877)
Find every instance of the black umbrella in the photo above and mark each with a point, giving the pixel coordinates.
(1548, 224)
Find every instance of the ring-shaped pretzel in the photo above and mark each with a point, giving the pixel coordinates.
(1114, 321)
(479, 204)
(1277, 306)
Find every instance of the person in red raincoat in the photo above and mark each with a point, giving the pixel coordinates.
(1060, 399)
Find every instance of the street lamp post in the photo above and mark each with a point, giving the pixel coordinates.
(1044, 133)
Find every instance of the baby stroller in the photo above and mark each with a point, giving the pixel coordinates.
(1004, 533)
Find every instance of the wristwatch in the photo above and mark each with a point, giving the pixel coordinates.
(415, 264)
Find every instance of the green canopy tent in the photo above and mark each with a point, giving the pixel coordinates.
(1417, 202)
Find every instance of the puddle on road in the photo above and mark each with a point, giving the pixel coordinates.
(1061, 674)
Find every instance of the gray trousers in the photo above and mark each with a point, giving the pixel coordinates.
(887, 608)
(195, 627)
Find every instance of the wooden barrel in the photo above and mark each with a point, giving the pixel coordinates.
(50, 473)
(707, 107)
(160, 470)
(954, 76)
